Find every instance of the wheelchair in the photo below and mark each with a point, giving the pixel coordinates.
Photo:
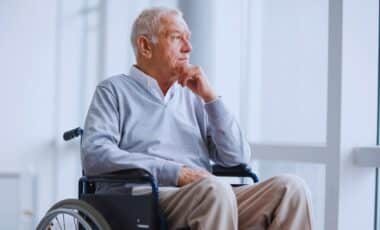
(118, 210)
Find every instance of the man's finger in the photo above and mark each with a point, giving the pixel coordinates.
(187, 79)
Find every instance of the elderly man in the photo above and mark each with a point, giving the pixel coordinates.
(164, 117)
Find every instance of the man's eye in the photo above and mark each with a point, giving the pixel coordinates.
(176, 37)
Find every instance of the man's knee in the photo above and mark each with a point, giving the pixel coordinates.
(291, 185)
(217, 192)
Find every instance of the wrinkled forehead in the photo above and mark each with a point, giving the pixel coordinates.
(172, 22)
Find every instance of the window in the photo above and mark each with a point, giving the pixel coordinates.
(271, 69)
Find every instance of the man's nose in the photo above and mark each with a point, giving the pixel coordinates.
(186, 48)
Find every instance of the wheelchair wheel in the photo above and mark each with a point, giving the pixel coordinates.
(73, 214)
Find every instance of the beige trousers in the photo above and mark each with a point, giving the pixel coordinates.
(281, 202)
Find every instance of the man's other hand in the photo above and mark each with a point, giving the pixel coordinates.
(194, 78)
(188, 175)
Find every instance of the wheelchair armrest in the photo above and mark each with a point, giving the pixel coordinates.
(241, 170)
(136, 176)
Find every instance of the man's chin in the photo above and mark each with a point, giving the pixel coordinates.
(183, 63)
(177, 69)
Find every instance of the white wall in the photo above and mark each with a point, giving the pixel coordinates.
(27, 30)
(27, 70)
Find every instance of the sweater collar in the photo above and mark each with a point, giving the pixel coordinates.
(151, 84)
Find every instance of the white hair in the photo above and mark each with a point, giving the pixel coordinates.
(148, 24)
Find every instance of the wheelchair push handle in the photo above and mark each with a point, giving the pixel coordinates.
(73, 133)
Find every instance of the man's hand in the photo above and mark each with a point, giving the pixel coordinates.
(194, 78)
(188, 175)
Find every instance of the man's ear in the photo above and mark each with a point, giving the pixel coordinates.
(144, 47)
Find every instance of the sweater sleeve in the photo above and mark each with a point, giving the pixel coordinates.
(227, 143)
(100, 144)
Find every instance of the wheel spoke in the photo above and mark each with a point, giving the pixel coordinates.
(59, 225)
(76, 224)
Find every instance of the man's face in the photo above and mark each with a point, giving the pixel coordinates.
(172, 51)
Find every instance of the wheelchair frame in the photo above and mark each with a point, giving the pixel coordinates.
(93, 204)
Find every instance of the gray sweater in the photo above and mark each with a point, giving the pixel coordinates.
(129, 125)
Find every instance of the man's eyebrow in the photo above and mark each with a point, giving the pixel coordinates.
(178, 32)
(173, 32)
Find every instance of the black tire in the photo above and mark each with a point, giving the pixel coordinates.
(92, 216)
